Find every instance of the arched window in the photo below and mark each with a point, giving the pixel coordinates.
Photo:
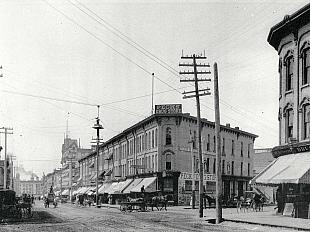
(289, 124)
(168, 161)
(306, 121)
(168, 136)
(306, 66)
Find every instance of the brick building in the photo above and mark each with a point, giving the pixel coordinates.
(159, 147)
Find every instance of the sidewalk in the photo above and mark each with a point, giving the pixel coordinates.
(267, 218)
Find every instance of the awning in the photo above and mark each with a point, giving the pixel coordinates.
(65, 192)
(104, 187)
(133, 184)
(293, 168)
(108, 173)
(148, 183)
(119, 187)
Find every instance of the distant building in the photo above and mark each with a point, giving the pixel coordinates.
(261, 159)
(32, 186)
(158, 149)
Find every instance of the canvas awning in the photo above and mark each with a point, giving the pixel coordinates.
(65, 192)
(293, 168)
(148, 183)
(121, 186)
(133, 184)
(104, 187)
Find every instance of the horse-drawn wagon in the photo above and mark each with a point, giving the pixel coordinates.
(9, 207)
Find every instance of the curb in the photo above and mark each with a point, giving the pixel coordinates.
(265, 224)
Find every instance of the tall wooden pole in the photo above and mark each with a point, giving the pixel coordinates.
(218, 149)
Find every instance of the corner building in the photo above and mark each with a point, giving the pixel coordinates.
(159, 147)
(290, 171)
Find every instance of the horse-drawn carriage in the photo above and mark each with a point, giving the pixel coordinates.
(141, 203)
(14, 207)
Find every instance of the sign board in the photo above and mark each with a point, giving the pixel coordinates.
(288, 209)
(168, 109)
(206, 177)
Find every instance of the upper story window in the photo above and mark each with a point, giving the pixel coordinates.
(289, 73)
(280, 77)
(249, 150)
(208, 143)
(223, 147)
(306, 66)
(241, 149)
(289, 124)
(194, 141)
(214, 144)
(153, 141)
(156, 134)
(232, 147)
(306, 121)
(168, 136)
(232, 167)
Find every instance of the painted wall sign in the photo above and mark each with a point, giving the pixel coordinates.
(168, 109)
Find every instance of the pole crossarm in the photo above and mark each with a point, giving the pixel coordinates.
(191, 96)
(192, 65)
(193, 72)
(200, 90)
(193, 80)
(196, 57)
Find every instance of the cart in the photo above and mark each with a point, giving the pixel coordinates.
(9, 207)
(137, 204)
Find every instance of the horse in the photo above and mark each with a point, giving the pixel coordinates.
(159, 201)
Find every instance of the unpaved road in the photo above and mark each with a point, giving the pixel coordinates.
(71, 218)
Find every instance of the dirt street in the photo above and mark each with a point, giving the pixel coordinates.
(71, 218)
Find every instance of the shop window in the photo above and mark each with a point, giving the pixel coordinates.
(306, 121)
(306, 67)
(168, 184)
(289, 73)
(289, 124)
(188, 185)
(168, 136)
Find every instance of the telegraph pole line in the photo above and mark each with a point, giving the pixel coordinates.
(197, 93)
(7, 131)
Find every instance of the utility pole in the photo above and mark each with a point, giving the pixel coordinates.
(218, 199)
(197, 93)
(191, 142)
(97, 127)
(6, 132)
(152, 94)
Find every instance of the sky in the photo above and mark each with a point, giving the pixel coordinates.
(60, 59)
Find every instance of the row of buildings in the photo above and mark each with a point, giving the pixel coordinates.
(159, 147)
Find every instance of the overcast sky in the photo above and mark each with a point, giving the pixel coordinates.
(92, 53)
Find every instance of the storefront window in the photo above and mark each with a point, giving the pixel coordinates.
(168, 185)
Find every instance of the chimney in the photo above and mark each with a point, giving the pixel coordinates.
(237, 128)
(228, 124)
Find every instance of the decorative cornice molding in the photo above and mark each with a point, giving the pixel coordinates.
(290, 149)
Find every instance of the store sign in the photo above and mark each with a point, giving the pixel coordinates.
(168, 109)
(188, 176)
